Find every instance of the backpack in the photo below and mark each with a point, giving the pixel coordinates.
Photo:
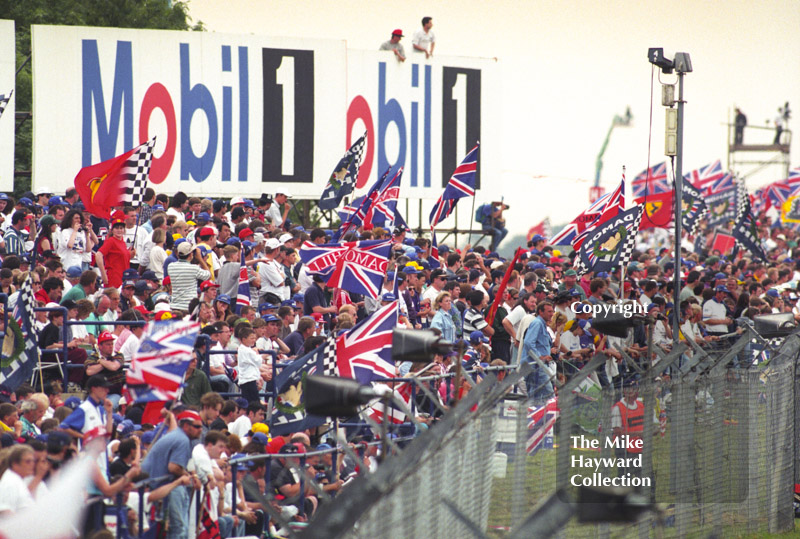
(483, 214)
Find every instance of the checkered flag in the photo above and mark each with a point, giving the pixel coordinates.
(694, 209)
(742, 199)
(329, 367)
(18, 368)
(137, 169)
(4, 99)
(611, 244)
(746, 233)
(344, 176)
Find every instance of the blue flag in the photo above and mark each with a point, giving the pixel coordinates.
(289, 414)
(344, 176)
(19, 366)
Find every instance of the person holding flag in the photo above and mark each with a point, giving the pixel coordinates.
(114, 256)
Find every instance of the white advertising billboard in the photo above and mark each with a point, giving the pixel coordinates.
(244, 115)
(8, 68)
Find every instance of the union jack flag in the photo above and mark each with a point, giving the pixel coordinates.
(365, 352)
(348, 211)
(21, 367)
(726, 182)
(243, 292)
(402, 390)
(4, 99)
(157, 369)
(705, 177)
(584, 220)
(614, 204)
(652, 181)
(356, 266)
(541, 420)
(383, 210)
(461, 184)
(358, 215)
(610, 244)
(775, 194)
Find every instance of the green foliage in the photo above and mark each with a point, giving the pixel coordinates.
(152, 14)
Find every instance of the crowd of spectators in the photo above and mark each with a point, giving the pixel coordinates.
(180, 257)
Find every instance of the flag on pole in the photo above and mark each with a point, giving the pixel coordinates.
(243, 291)
(157, 369)
(120, 181)
(383, 210)
(498, 296)
(776, 193)
(4, 99)
(578, 225)
(357, 217)
(658, 210)
(694, 208)
(726, 204)
(542, 229)
(611, 244)
(541, 420)
(614, 204)
(21, 344)
(461, 184)
(344, 176)
(365, 351)
(403, 391)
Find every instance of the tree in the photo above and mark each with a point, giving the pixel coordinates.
(152, 14)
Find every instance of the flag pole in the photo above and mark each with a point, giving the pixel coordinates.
(471, 218)
(622, 269)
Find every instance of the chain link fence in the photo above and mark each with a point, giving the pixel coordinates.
(718, 454)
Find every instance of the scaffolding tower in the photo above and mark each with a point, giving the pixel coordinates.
(758, 149)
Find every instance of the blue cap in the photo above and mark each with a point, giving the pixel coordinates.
(158, 207)
(477, 336)
(289, 303)
(651, 306)
(148, 437)
(270, 318)
(241, 402)
(233, 241)
(773, 293)
(72, 402)
(249, 203)
(720, 275)
(260, 437)
(537, 237)
(410, 270)
(298, 298)
(388, 297)
(178, 242)
(244, 465)
(323, 447)
(443, 249)
(73, 272)
(602, 275)
(203, 215)
(574, 292)
(3, 196)
(117, 418)
(25, 201)
(538, 265)
(264, 307)
(224, 298)
(127, 427)
(424, 263)
(55, 200)
(721, 288)
(390, 276)
(248, 244)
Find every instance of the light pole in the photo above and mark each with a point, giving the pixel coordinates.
(681, 64)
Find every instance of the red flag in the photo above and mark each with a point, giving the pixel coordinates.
(658, 210)
(543, 229)
(498, 296)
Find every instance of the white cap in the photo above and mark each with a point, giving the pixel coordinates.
(44, 190)
(272, 243)
(52, 305)
(285, 237)
(161, 306)
(237, 200)
(283, 192)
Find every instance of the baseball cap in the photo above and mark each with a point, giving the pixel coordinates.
(189, 415)
(264, 307)
(721, 288)
(298, 298)
(105, 336)
(245, 232)
(126, 284)
(237, 200)
(773, 293)
(73, 272)
(273, 243)
(142, 285)
(205, 285)
(127, 427)
(260, 437)
(289, 303)
(149, 275)
(571, 273)
(72, 402)
(184, 249)
(203, 216)
(720, 275)
(388, 297)
(537, 237)
(398, 32)
(270, 318)
(477, 336)
(143, 310)
(148, 437)
(285, 237)
(224, 298)
(97, 380)
(260, 427)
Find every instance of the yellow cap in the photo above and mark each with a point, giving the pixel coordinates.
(556, 252)
(260, 427)
(176, 236)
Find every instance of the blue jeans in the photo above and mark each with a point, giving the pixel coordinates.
(227, 529)
(538, 384)
(498, 234)
(178, 513)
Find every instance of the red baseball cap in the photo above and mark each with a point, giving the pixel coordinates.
(142, 309)
(105, 336)
(245, 232)
(398, 32)
(207, 231)
(205, 285)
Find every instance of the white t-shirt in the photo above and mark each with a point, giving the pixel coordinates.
(515, 317)
(71, 256)
(715, 311)
(14, 493)
(423, 39)
(241, 426)
(249, 365)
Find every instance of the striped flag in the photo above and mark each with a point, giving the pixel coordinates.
(614, 204)
(705, 177)
(461, 184)
(401, 390)
(652, 181)
(541, 420)
(17, 365)
(243, 292)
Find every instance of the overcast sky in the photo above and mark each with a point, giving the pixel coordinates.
(568, 67)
